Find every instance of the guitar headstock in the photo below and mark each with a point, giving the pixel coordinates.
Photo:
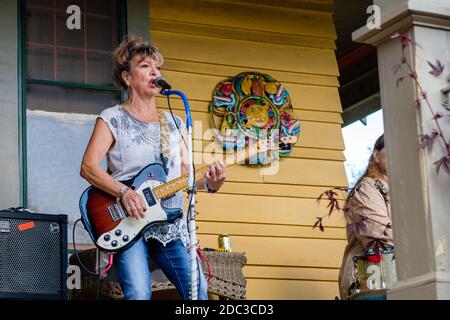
(254, 147)
(260, 146)
(266, 145)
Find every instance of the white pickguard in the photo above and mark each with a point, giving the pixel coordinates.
(131, 226)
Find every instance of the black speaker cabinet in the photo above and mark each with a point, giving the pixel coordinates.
(33, 256)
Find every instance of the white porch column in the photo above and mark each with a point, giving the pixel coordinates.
(420, 197)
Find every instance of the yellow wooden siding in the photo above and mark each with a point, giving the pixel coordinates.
(250, 54)
(302, 114)
(262, 209)
(253, 35)
(277, 251)
(302, 96)
(268, 289)
(294, 273)
(269, 230)
(203, 148)
(241, 15)
(314, 134)
(272, 189)
(226, 70)
(269, 217)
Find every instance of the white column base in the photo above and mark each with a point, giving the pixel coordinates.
(431, 286)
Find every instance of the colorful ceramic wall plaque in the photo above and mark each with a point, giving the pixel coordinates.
(252, 106)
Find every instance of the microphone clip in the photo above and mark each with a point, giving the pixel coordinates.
(161, 83)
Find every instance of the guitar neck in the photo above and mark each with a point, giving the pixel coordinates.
(169, 188)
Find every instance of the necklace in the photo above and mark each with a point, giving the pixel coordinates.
(152, 118)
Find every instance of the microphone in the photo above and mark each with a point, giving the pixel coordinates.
(160, 82)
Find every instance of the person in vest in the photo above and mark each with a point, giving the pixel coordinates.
(133, 135)
(368, 217)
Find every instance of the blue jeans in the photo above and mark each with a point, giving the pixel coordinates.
(173, 259)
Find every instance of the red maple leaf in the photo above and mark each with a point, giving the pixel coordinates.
(444, 163)
(436, 69)
(319, 223)
(427, 141)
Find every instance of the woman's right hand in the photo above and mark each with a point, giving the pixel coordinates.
(134, 204)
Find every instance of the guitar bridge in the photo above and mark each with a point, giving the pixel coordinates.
(115, 212)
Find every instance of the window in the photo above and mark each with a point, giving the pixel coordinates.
(67, 76)
(70, 70)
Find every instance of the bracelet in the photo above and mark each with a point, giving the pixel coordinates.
(123, 191)
(208, 189)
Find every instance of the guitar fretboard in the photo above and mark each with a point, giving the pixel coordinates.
(169, 188)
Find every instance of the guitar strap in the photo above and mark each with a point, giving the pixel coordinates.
(164, 161)
(164, 140)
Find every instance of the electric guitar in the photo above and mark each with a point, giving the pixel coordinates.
(109, 224)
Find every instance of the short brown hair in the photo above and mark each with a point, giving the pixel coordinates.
(129, 47)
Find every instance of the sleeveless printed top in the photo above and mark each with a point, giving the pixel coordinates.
(138, 144)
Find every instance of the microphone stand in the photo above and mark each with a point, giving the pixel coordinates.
(192, 190)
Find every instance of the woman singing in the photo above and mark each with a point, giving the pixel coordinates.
(133, 135)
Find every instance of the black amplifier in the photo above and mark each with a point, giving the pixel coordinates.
(33, 255)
